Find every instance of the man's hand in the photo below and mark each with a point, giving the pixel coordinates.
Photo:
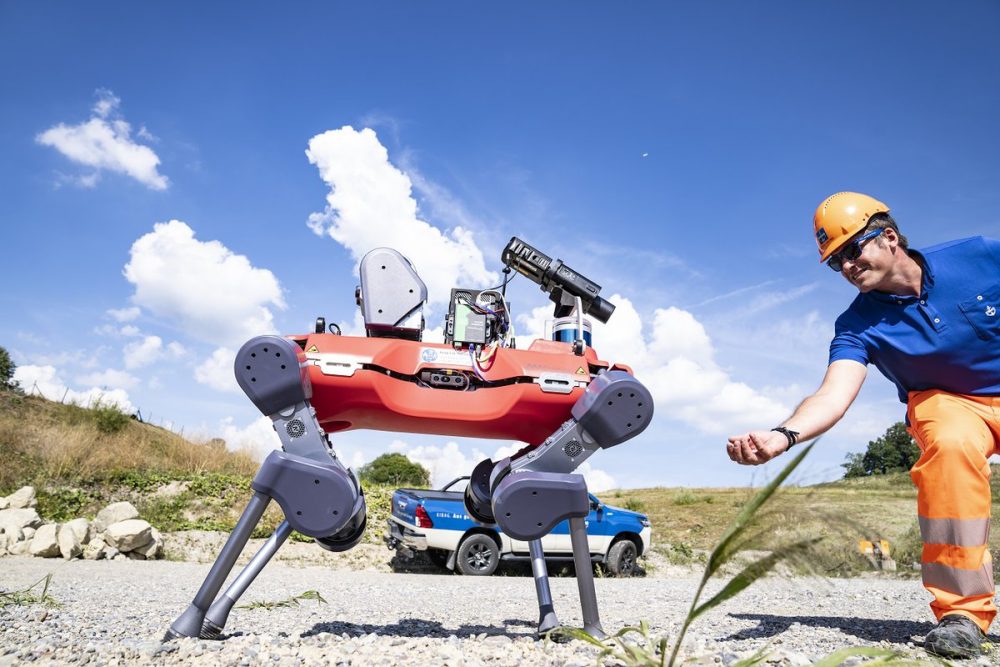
(756, 447)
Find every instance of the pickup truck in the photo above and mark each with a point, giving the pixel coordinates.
(436, 522)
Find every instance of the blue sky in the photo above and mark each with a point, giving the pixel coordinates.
(672, 152)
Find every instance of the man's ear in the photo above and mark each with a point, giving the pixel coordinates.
(891, 237)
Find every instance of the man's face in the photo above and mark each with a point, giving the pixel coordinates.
(865, 260)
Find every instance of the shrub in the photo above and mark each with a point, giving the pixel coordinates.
(895, 451)
(109, 418)
(394, 469)
(7, 368)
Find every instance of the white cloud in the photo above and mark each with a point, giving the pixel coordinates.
(143, 353)
(105, 143)
(124, 314)
(208, 291)
(371, 204)
(258, 437)
(676, 360)
(109, 378)
(217, 371)
(44, 381)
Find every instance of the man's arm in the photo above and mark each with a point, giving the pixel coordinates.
(815, 415)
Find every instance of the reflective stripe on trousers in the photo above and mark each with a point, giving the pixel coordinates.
(956, 435)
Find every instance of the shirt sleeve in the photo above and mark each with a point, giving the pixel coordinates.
(847, 344)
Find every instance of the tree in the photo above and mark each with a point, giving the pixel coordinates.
(895, 451)
(395, 469)
(7, 368)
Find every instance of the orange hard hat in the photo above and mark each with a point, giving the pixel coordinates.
(840, 217)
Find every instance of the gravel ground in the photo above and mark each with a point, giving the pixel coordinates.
(116, 613)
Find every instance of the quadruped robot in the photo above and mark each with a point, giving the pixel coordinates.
(556, 396)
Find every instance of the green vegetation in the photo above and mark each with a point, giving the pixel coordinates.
(28, 596)
(395, 469)
(895, 451)
(294, 601)
(7, 368)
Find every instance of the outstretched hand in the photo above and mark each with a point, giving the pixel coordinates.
(756, 447)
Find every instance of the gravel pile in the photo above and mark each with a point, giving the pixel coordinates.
(116, 613)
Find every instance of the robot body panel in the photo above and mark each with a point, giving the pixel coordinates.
(385, 384)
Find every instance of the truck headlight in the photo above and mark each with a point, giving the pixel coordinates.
(644, 522)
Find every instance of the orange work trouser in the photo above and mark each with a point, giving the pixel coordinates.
(956, 435)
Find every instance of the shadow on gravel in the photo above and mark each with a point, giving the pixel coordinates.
(867, 629)
(416, 627)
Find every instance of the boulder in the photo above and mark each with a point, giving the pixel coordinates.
(128, 535)
(80, 528)
(13, 520)
(22, 498)
(4, 503)
(152, 550)
(94, 549)
(45, 542)
(69, 544)
(28, 532)
(111, 553)
(113, 513)
(19, 548)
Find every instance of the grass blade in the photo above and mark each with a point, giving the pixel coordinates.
(723, 551)
(752, 573)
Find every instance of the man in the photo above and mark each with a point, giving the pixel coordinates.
(930, 322)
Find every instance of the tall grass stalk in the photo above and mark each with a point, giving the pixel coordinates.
(730, 544)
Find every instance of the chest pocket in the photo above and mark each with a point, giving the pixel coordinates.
(983, 312)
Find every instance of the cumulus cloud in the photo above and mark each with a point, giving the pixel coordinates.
(144, 352)
(371, 204)
(45, 381)
(112, 378)
(104, 143)
(258, 437)
(202, 287)
(675, 358)
(217, 371)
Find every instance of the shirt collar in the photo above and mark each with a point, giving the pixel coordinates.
(926, 282)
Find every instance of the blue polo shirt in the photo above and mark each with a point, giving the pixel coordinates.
(947, 338)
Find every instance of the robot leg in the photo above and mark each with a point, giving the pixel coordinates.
(614, 408)
(317, 494)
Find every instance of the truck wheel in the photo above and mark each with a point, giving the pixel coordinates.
(622, 558)
(478, 555)
(438, 556)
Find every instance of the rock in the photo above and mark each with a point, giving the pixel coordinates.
(135, 555)
(80, 528)
(22, 498)
(94, 549)
(6, 540)
(128, 535)
(154, 549)
(28, 532)
(16, 519)
(45, 542)
(110, 553)
(4, 503)
(20, 548)
(113, 513)
(69, 544)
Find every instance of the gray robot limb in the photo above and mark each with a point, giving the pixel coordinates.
(318, 495)
(529, 494)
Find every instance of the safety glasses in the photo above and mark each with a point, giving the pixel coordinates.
(851, 251)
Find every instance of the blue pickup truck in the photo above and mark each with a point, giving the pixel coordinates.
(436, 522)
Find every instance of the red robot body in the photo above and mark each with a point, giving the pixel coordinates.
(386, 384)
